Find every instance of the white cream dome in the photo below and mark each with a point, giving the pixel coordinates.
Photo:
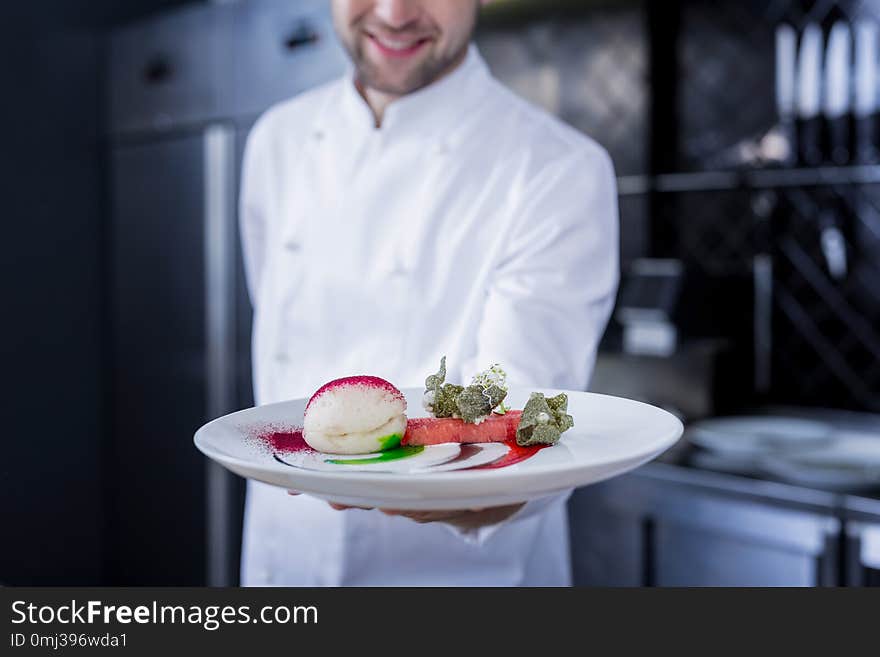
(355, 415)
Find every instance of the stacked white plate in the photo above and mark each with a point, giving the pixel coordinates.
(802, 451)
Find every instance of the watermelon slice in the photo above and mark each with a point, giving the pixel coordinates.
(433, 430)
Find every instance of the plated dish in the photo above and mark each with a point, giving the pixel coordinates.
(362, 441)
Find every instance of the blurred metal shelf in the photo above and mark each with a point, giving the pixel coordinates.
(702, 181)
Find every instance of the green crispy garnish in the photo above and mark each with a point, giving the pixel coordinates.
(440, 397)
(476, 402)
(435, 381)
(445, 401)
(472, 403)
(544, 420)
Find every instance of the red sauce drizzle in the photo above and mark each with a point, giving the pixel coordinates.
(515, 454)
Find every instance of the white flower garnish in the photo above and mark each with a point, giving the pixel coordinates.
(494, 376)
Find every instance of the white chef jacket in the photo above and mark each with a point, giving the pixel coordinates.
(470, 224)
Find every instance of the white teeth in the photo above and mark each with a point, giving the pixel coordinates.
(396, 45)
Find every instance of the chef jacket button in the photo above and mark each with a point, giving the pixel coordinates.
(318, 135)
(292, 246)
(281, 357)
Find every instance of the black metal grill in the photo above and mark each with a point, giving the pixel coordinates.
(829, 353)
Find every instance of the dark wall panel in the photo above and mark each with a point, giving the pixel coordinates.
(157, 484)
(51, 267)
(50, 480)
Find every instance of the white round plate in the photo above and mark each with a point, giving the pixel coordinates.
(759, 435)
(850, 463)
(611, 435)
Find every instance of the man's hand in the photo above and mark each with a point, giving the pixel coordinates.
(460, 518)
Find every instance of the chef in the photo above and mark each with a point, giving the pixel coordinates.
(412, 209)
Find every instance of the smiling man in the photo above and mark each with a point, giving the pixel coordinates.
(416, 208)
(401, 47)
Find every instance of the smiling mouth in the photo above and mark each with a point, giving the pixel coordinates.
(397, 48)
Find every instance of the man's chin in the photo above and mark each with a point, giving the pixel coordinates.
(396, 86)
(395, 89)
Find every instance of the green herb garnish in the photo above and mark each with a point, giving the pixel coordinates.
(473, 403)
(543, 420)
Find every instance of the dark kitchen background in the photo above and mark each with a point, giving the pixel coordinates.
(745, 136)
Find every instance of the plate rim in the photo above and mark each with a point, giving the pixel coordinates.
(659, 445)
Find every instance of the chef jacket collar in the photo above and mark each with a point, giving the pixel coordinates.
(432, 111)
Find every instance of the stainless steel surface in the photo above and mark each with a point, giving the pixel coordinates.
(863, 564)
(218, 61)
(762, 271)
(220, 381)
(244, 396)
(871, 546)
(279, 48)
(168, 70)
(219, 245)
(673, 526)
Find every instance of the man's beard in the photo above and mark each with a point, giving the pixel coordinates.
(370, 76)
